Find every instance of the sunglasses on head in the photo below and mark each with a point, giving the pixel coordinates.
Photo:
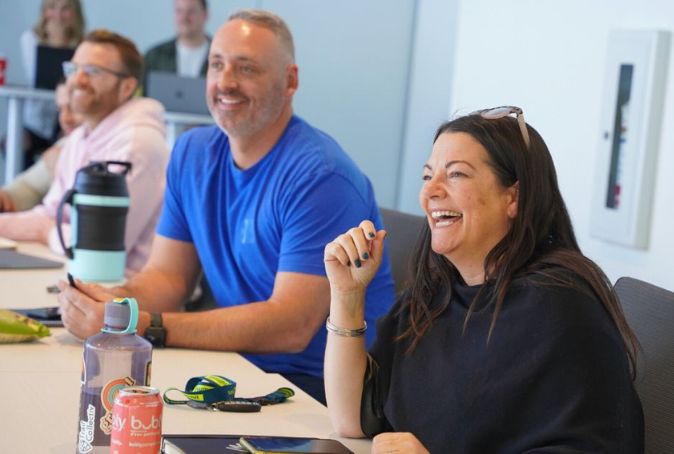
(503, 111)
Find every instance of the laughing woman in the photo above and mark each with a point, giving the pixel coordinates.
(508, 338)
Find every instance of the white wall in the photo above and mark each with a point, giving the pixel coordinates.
(548, 57)
(354, 57)
(431, 74)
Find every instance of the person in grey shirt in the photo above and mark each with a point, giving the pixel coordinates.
(186, 54)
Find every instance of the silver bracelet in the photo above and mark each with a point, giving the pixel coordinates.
(343, 331)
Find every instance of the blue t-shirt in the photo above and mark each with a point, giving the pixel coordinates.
(276, 216)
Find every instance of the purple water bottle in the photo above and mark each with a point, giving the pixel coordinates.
(113, 359)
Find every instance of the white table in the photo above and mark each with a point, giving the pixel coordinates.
(40, 384)
(16, 96)
(27, 289)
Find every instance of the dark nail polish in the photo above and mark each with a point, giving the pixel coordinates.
(357, 262)
(366, 256)
(372, 235)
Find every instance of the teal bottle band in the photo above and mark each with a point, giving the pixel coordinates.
(133, 316)
(100, 200)
(97, 266)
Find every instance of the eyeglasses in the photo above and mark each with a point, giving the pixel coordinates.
(503, 111)
(71, 68)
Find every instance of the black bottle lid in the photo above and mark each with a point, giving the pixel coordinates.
(107, 178)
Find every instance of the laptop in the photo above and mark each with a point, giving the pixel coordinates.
(48, 65)
(13, 260)
(178, 93)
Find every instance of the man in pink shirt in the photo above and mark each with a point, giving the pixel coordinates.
(102, 79)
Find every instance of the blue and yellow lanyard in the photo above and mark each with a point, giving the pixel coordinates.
(215, 392)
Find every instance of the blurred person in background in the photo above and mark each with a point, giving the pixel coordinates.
(102, 79)
(186, 54)
(61, 25)
(29, 188)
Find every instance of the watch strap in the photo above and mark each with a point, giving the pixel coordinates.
(156, 333)
(156, 320)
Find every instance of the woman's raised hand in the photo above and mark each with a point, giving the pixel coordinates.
(353, 258)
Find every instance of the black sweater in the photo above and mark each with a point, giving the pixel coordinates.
(554, 377)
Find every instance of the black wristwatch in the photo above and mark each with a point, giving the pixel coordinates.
(156, 333)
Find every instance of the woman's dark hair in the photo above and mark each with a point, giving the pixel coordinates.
(540, 240)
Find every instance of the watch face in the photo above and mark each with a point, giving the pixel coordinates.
(156, 335)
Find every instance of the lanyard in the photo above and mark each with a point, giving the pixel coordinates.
(215, 392)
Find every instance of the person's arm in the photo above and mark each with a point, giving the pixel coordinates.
(33, 225)
(349, 272)
(30, 186)
(50, 158)
(168, 278)
(38, 223)
(162, 285)
(286, 322)
(345, 363)
(397, 442)
(7, 204)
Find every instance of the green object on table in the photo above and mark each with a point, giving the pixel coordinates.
(16, 328)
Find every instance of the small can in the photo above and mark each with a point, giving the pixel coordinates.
(136, 421)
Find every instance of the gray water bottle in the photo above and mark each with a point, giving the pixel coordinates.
(113, 359)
